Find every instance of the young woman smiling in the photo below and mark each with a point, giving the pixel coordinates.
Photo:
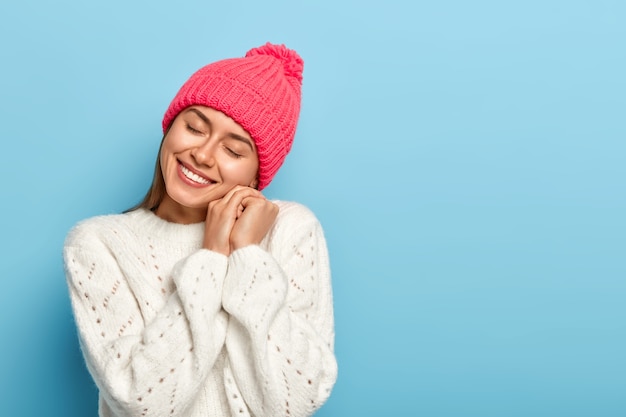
(207, 299)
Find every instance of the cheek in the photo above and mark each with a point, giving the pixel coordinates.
(177, 140)
(172, 145)
(165, 158)
(241, 172)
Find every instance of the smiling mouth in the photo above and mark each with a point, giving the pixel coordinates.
(193, 176)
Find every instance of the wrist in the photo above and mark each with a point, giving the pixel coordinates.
(217, 248)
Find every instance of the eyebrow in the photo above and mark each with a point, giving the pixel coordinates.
(235, 136)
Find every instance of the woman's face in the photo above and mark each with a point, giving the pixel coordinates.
(204, 155)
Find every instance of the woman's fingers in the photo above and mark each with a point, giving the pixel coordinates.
(221, 217)
(254, 222)
(238, 193)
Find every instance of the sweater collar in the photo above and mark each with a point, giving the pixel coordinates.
(146, 221)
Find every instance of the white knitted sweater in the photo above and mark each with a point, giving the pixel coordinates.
(170, 329)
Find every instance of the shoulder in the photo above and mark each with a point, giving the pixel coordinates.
(293, 213)
(295, 222)
(296, 227)
(98, 228)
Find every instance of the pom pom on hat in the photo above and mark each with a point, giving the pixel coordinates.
(292, 63)
(261, 92)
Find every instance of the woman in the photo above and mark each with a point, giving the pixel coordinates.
(208, 299)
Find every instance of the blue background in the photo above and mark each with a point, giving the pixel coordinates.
(465, 158)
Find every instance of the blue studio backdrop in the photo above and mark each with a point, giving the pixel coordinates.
(466, 159)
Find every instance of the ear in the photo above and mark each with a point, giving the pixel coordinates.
(255, 183)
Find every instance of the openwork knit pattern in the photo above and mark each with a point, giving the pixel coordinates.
(170, 329)
(261, 92)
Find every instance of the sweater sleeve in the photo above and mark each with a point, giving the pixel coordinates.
(142, 368)
(280, 337)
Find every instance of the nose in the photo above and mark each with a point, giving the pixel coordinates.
(204, 154)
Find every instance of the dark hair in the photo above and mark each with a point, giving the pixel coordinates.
(157, 191)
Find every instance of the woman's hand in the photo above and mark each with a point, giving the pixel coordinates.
(221, 217)
(255, 220)
(242, 217)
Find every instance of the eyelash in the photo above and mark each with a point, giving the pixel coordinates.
(191, 129)
(233, 153)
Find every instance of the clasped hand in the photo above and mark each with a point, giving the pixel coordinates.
(242, 217)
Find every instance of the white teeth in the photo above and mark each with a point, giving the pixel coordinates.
(192, 176)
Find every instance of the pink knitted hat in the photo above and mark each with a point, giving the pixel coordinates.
(260, 91)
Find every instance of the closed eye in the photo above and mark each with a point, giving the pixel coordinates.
(233, 153)
(193, 130)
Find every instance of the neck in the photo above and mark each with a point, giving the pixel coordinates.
(174, 212)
